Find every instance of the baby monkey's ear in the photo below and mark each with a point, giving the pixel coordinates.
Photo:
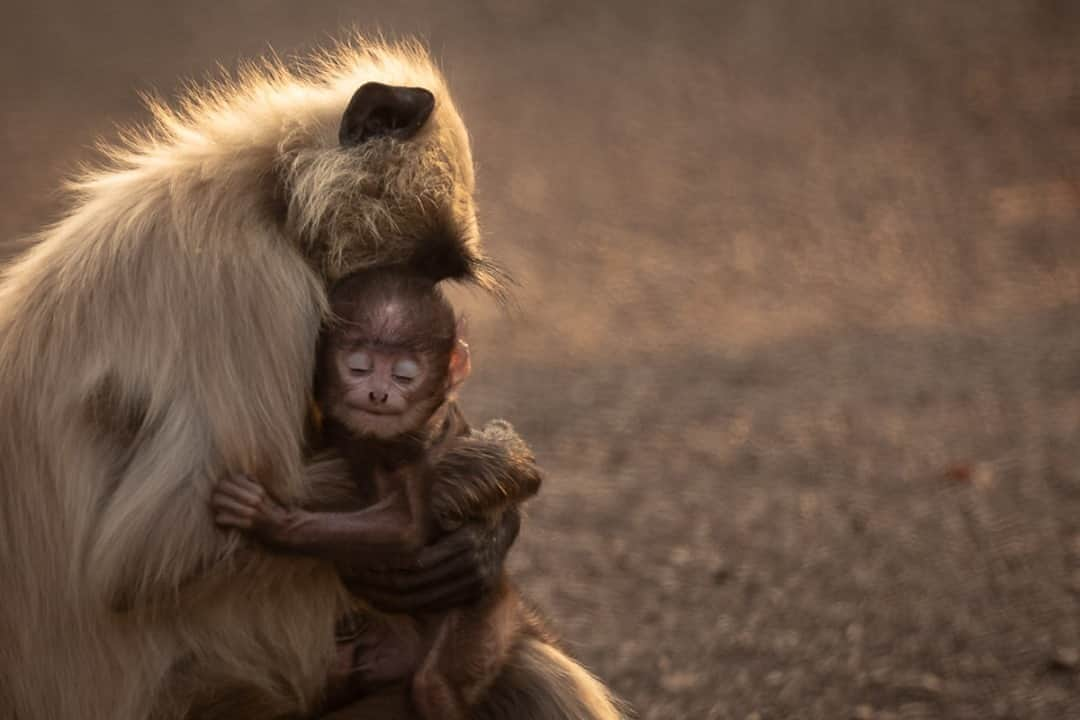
(460, 365)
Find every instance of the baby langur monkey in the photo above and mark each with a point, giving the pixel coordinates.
(388, 371)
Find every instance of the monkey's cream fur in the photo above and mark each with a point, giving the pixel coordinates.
(163, 333)
(524, 689)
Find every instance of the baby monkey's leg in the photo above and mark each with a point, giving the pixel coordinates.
(373, 652)
(434, 696)
(386, 649)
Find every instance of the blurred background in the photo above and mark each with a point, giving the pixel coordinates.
(798, 332)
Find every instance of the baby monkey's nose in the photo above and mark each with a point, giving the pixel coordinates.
(379, 398)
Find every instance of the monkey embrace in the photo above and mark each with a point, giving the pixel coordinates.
(159, 348)
(389, 365)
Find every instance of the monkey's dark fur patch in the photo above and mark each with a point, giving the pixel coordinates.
(443, 257)
(446, 255)
(118, 421)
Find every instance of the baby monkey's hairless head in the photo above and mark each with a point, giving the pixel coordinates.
(391, 355)
(395, 308)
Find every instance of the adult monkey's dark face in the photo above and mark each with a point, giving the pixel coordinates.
(395, 177)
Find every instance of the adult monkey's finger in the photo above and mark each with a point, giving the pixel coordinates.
(445, 596)
(436, 553)
(465, 596)
(437, 597)
(415, 578)
(463, 540)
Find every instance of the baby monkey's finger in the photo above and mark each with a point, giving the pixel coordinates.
(228, 520)
(248, 484)
(238, 492)
(227, 504)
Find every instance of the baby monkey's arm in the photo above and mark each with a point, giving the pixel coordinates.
(479, 480)
(395, 524)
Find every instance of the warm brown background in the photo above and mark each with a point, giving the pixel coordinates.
(799, 331)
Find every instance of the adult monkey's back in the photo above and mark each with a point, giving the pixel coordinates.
(162, 334)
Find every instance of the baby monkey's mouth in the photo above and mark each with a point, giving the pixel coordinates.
(369, 410)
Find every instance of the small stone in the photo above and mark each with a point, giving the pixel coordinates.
(680, 556)
(983, 477)
(881, 675)
(858, 524)
(959, 472)
(720, 573)
(1066, 659)
(1074, 546)
(675, 682)
(1074, 583)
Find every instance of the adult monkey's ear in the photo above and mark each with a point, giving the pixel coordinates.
(378, 110)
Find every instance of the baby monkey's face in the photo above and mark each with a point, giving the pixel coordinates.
(386, 391)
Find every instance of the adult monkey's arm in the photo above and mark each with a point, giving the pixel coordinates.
(456, 569)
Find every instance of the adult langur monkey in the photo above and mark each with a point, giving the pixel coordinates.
(163, 334)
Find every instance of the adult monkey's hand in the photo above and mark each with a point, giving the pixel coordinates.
(455, 569)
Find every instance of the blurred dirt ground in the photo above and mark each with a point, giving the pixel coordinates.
(798, 336)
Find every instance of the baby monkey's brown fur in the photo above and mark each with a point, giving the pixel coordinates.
(388, 370)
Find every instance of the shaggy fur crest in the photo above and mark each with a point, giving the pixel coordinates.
(269, 136)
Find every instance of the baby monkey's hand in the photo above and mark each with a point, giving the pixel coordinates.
(239, 502)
